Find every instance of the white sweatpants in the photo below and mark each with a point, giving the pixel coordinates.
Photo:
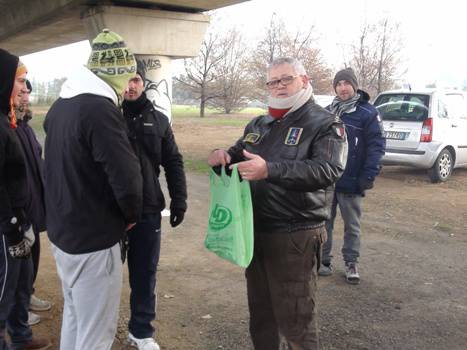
(91, 285)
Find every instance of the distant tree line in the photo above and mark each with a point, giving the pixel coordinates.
(229, 72)
(45, 93)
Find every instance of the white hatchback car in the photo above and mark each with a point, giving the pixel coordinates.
(425, 129)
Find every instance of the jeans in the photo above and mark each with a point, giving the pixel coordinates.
(144, 244)
(15, 294)
(350, 208)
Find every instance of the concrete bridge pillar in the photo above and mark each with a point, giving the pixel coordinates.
(155, 37)
(158, 83)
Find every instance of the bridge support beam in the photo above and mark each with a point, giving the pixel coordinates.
(155, 37)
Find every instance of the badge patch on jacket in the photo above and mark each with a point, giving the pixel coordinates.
(293, 136)
(252, 137)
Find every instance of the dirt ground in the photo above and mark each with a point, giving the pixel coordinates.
(413, 293)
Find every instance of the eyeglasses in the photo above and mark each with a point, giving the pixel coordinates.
(272, 84)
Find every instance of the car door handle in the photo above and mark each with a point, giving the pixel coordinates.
(454, 125)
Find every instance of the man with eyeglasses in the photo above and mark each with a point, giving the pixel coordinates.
(292, 157)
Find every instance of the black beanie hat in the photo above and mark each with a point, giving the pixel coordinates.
(346, 74)
(140, 69)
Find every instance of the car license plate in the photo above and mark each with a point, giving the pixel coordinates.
(395, 135)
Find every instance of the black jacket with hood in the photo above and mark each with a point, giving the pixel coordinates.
(92, 177)
(13, 188)
(35, 206)
(154, 143)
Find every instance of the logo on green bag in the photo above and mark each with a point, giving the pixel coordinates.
(220, 218)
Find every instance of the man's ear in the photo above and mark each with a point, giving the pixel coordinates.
(306, 80)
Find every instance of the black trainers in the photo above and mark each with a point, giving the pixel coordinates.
(351, 273)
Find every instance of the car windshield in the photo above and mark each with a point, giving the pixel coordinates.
(409, 107)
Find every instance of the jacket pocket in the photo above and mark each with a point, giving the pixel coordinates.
(152, 142)
(316, 199)
(355, 142)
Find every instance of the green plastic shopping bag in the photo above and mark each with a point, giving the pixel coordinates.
(230, 227)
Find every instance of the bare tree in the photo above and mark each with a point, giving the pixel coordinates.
(232, 81)
(305, 49)
(200, 71)
(375, 56)
(280, 42)
(224, 76)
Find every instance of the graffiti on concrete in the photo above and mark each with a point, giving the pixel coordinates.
(157, 91)
(150, 64)
(158, 94)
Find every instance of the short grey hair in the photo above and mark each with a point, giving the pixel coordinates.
(296, 64)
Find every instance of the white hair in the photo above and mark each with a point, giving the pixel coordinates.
(296, 64)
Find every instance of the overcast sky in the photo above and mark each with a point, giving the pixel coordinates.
(433, 34)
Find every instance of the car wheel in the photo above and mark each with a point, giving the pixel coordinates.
(442, 169)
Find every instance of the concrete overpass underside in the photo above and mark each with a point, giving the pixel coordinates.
(30, 26)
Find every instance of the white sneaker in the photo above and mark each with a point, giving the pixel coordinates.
(351, 273)
(143, 344)
(37, 304)
(33, 318)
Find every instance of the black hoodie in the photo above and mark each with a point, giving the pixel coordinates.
(12, 165)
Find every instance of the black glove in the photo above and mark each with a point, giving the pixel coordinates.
(12, 230)
(22, 250)
(124, 247)
(365, 184)
(176, 217)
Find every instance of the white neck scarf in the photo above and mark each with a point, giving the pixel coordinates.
(293, 102)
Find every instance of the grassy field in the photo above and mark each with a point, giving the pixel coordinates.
(179, 112)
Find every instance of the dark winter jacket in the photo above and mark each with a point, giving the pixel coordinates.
(305, 155)
(13, 188)
(35, 206)
(366, 147)
(153, 142)
(92, 176)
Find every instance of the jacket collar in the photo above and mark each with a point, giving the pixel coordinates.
(138, 106)
(293, 115)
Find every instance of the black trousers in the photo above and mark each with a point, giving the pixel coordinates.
(144, 244)
(35, 253)
(15, 294)
(281, 284)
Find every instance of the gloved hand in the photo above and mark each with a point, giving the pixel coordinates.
(19, 246)
(124, 247)
(21, 250)
(176, 217)
(12, 230)
(20, 216)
